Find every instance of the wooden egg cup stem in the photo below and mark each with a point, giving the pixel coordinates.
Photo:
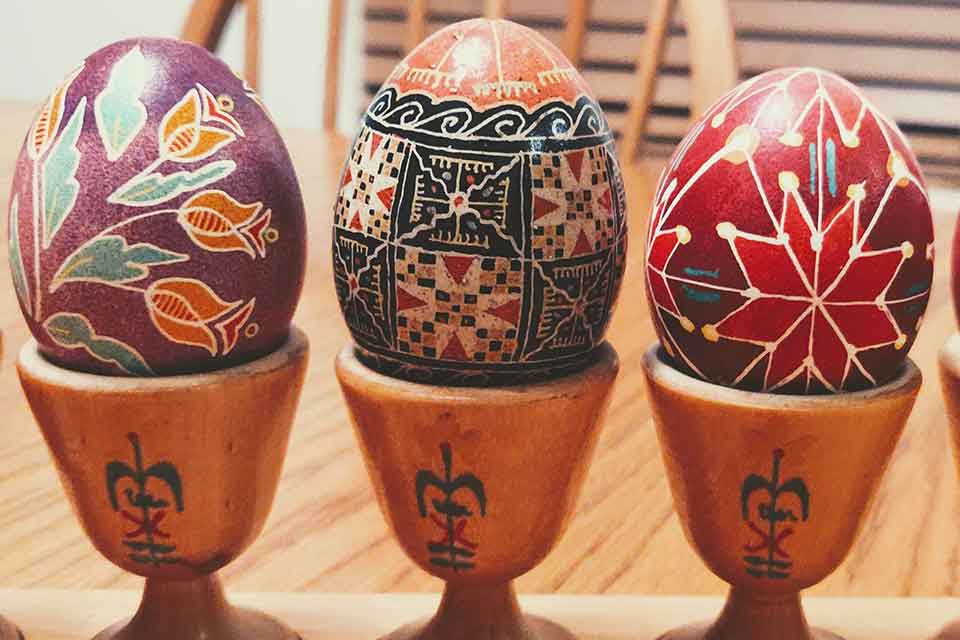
(193, 609)
(478, 483)
(771, 490)
(752, 615)
(9, 631)
(172, 478)
(481, 612)
(949, 362)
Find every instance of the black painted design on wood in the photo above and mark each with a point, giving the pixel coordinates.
(148, 542)
(454, 551)
(777, 562)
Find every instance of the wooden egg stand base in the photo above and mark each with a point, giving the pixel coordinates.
(172, 478)
(949, 362)
(771, 489)
(8, 630)
(478, 484)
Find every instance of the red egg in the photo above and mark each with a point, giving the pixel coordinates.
(790, 247)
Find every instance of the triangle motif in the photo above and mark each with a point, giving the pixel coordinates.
(454, 349)
(347, 177)
(386, 197)
(375, 140)
(604, 200)
(583, 245)
(406, 300)
(508, 311)
(542, 207)
(355, 223)
(458, 266)
(575, 161)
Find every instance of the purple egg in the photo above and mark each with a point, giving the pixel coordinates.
(156, 223)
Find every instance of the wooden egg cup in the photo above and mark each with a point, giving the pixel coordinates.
(771, 489)
(950, 384)
(477, 483)
(172, 478)
(8, 630)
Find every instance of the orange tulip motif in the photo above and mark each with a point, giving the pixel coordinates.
(44, 128)
(183, 308)
(183, 137)
(217, 222)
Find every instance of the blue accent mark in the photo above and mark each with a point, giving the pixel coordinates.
(914, 289)
(692, 272)
(698, 295)
(813, 168)
(832, 166)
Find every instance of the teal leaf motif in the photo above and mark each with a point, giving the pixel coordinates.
(16, 258)
(60, 186)
(119, 113)
(109, 259)
(73, 331)
(145, 191)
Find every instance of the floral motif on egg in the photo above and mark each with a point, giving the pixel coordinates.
(791, 242)
(145, 202)
(479, 231)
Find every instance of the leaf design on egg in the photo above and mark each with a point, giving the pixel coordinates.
(44, 128)
(120, 114)
(16, 257)
(74, 331)
(155, 188)
(181, 308)
(110, 260)
(60, 186)
(217, 222)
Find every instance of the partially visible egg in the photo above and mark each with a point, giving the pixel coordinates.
(791, 241)
(480, 230)
(155, 222)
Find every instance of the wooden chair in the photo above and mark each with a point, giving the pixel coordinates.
(205, 23)
(713, 62)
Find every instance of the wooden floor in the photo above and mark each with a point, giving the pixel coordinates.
(325, 532)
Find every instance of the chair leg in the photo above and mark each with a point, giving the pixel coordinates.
(713, 56)
(645, 83)
(416, 24)
(205, 22)
(578, 14)
(495, 9)
(332, 81)
(251, 46)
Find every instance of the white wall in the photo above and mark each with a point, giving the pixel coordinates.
(41, 40)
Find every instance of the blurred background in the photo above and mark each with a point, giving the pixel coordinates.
(905, 54)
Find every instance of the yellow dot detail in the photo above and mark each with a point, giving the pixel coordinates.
(710, 332)
(907, 249)
(741, 144)
(789, 182)
(857, 192)
(251, 330)
(791, 139)
(726, 230)
(271, 235)
(683, 234)
(686, 324)
(226, 102)
(901, 341)
(718, 120)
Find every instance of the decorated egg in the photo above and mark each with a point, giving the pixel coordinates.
(155, 221)
(480, 228)
(790, 246)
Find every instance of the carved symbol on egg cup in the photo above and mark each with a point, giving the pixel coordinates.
(477, 484)
(172, 478)
(771, 489)
(950, 385)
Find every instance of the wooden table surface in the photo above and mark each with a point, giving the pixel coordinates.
(326, 533)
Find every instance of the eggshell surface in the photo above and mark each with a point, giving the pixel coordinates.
(480, 228)
(156, 225)
(790, 246)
